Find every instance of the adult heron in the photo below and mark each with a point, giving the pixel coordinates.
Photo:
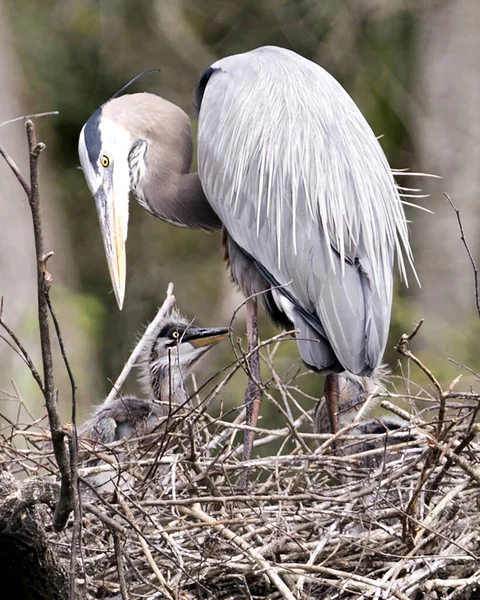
(295, 177)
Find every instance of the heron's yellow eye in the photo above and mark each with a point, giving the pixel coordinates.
(175, 335)
(105, 161)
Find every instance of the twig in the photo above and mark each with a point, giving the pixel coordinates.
(34, 116)
(16, 171)
(24, 354)
(472, 260)
(119, 561)
(166, 306)
(146, 550)
(64, 505)
(403, 348)
(77, 513)
(473, 472)
(108, 521)
(236, 539)
(448, 463)
(375, 583)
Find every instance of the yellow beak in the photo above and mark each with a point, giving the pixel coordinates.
(113, 216)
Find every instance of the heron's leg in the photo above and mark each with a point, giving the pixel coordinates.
(253, 394)
(332, 397)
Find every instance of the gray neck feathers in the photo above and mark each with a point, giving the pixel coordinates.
(179, 199)
(162, 379)
(161, 180)
(167, 387)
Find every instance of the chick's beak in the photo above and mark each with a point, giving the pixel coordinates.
(112, 209)
(200, 337)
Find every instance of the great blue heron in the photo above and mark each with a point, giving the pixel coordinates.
(293, 174)
(169, 355)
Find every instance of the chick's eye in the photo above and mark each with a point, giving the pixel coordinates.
(105, 161)
(175, 335)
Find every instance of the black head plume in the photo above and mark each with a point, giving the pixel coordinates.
(132, 81)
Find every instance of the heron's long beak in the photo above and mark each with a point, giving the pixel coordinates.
(112, 212)
(199, 337)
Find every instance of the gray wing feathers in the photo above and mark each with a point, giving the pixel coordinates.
(300, 182)
(103, 429)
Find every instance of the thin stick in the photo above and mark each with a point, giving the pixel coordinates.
(166, 306)
(34, 116)
(64, 505)
(342, 575)
(146, 550)
(403, 348)
(24, 354)
(236, 539)
(77, 516)
(106, 520)
(16, 171)
(120, 569)
(472, 260)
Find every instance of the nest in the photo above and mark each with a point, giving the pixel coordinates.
(391, 515)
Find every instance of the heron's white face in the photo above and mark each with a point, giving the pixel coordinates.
(104, 147)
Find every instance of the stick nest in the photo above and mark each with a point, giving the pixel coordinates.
(391, 515)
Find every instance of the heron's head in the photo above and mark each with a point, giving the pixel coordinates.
(172, 350)
(135, 142)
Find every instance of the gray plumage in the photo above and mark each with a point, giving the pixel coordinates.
(291, 170)
(123, 418)
(354, 392)
(319, 211)
(168, 356)
(378, 434)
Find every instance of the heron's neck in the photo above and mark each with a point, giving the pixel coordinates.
(179, 200)
(168, 388)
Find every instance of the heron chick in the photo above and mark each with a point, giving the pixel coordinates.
(169, 355)
(354, 394)
(358, 396)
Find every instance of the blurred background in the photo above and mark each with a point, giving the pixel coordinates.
(412, 68)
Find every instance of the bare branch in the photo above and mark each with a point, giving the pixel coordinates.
(24, 354)
(166, 306)
(16, 171)
(34, 116)
(472, 260)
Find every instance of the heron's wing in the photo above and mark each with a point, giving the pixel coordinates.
(301, 184)
(103, 429)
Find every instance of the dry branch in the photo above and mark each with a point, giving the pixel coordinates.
(65, 504)
(470, 256)
(163, 310)
(316, 523)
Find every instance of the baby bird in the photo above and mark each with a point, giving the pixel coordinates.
(355, 394)
(361, 394)
(169, 355)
